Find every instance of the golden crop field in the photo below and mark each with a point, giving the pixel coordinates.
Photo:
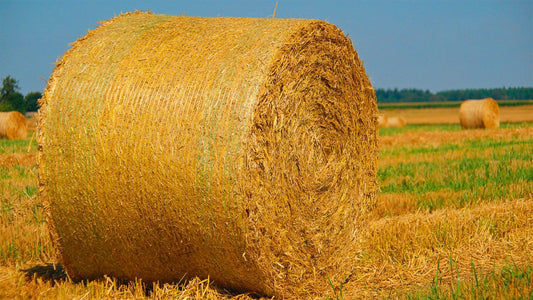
(453, 220)
(448, 115)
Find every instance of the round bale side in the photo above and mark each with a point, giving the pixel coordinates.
(236, 148)
(482, 113)
(13, 125)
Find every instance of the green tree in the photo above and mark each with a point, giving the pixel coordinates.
(16, 102)
(10, 97)
(9, 86)
(31, 100)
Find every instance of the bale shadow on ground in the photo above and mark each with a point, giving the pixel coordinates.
(48, 272)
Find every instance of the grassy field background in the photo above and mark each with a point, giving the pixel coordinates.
(453, 220)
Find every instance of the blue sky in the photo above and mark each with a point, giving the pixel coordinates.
(426, 44)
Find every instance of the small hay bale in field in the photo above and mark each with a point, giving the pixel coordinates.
(396, 122)
(482, 113)
(31, 120)
(13, 125)
(31, 114)
(382, 120)
(236, 148)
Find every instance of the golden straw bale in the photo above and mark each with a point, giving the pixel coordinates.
(31, 114)
(382, 120)
(13, 125)
(482, 113)
(239, 149)
(396, 122)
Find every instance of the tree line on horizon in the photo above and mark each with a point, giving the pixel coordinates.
(418, 95)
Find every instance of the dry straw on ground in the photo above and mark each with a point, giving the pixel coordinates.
(13, 125)
(482, 113)
(235, 148)
(22, 159)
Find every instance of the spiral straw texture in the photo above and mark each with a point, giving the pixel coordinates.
(238, 149)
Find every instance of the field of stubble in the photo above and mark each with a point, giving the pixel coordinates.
(453, 220)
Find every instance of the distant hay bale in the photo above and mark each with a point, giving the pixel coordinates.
(396, 122)
(236, 148)
(31, 120)
(13, 125)
(382, 120)
(385, 121)
(482, 113)
(30, 114)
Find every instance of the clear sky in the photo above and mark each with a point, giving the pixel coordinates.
(425, 44)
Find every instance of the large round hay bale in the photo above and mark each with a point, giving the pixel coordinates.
(236, 148)
(13, 125)
(396, 122)
(482, 113)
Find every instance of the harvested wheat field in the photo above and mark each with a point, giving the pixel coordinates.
(450, 115)
(452, 220)
(231, 184)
